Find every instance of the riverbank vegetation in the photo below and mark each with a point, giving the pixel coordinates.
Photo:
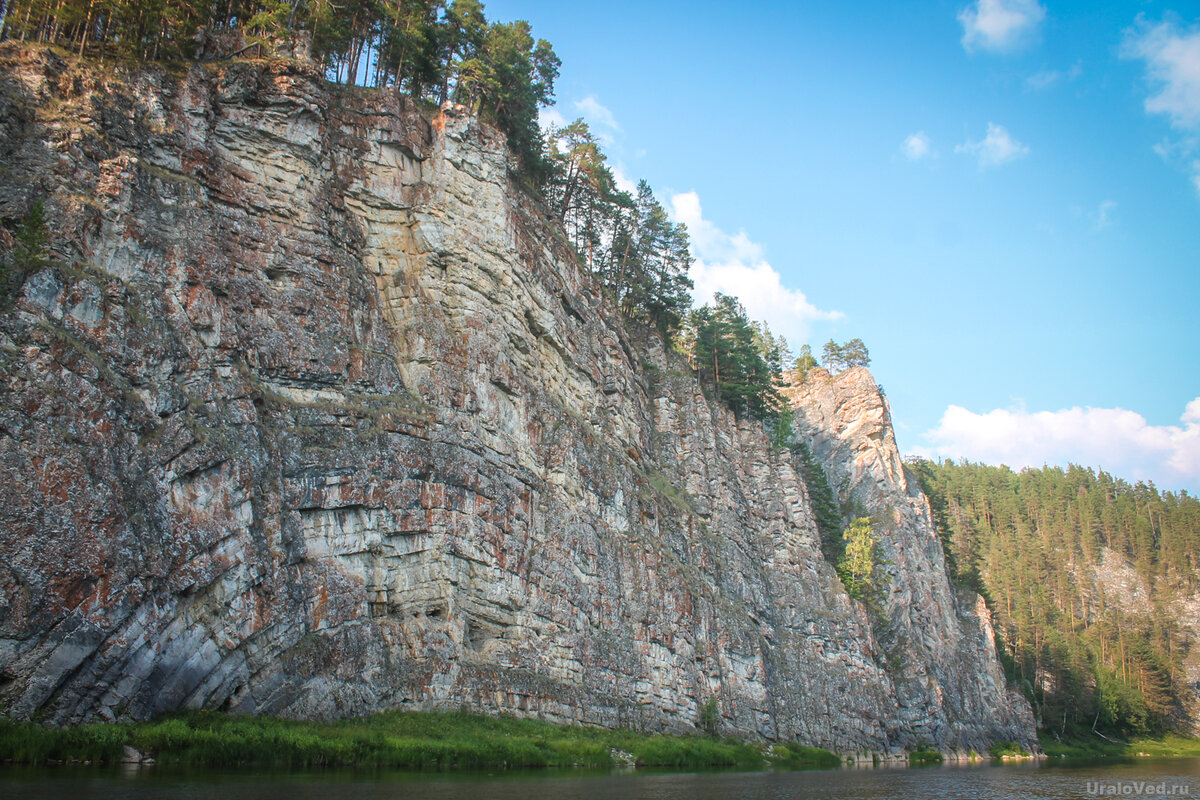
(1094, 748)
(407, 740)
(1008, 750)
(924, 755)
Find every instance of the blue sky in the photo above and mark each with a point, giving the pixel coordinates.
(1000, 197)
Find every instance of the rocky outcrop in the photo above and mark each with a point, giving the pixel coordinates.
(1114, 589)
(316, 414)
(938, 637)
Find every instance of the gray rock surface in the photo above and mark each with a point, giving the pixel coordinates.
(939, 638)
(316, 415)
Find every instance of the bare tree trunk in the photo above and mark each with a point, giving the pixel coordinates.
(57, 26)
(104, 38)
(86, 26)
(25, 27)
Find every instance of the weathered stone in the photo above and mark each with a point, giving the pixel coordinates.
(317, 416)
(939, 638)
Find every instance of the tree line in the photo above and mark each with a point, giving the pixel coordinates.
(740, 360)
(1032, 543)
(837, 357)
(627, 240)
(432, 50)
(642, 258)
(439, 50)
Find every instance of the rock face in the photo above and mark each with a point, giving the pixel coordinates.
(939, 639)
(316, 415)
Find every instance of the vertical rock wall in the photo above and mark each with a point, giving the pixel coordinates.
(316, 415)
(938, 638)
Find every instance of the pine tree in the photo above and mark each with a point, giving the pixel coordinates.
(858, 564)
(29, 252)
(804, 362)
(854, 354)
(831, 357)
(727, 353)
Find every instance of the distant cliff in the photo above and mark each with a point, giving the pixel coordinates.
(316, 414)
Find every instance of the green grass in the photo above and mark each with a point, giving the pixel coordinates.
(421, 740)
(1007, 750)
(924, 755)
(30, 743)
(1093, 747)
(1168, 745)
(800, 756)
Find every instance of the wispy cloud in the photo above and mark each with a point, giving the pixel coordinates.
(998, 147)
(600, 119)
(550, 117)
(596, 113)
(1103, 216)
(1000, 25)
(1113, 438)
(735, 265)
(1052, 77)
(917, 146)
(1171, 54)
(622, 180)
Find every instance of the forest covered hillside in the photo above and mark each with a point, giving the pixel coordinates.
(1093, 584)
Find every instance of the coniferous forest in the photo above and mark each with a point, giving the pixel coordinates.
(1085, 574)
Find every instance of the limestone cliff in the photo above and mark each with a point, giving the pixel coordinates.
(940, 638)
(316, 415)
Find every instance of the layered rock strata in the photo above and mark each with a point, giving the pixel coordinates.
(316, 414)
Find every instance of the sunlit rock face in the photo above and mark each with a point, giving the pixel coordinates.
(938, 637)
(316, 415)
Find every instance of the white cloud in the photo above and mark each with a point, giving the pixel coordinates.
(622, 180)
(550, 117)
(596, 114)
(1000, 25)
(1044, 79)
(917, 146)
(1172, 59)
(600, 120)
(998, 147)
(1118, 440)
(735, 265)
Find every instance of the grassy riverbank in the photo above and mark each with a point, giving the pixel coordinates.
(422, 740)
(1097, 748)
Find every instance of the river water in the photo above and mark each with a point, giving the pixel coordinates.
(1178, 777)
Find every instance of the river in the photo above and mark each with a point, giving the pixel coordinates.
(1178, 777)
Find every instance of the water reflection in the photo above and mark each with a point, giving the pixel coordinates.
(1174, 777)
